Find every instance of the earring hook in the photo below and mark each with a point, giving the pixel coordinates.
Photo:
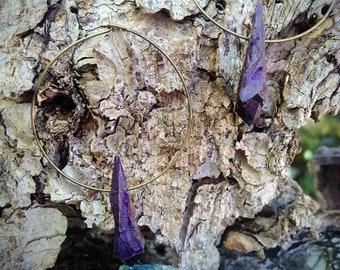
(267, 40)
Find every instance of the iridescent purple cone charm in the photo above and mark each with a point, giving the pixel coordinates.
(129, 243)
(252, 87)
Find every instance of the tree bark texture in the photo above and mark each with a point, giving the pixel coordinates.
(116, 94)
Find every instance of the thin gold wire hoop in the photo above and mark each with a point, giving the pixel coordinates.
(186, 90)
(268, 40)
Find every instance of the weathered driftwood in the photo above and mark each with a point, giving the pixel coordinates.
(117, 94)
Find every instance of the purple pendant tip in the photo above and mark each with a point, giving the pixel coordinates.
(249, 111)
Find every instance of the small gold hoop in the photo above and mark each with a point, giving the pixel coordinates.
(42, 76)
(267, 40)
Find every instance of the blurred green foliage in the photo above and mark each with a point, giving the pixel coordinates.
(324, 133)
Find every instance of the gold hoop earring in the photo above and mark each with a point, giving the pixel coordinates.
(267, 40)
(174, 158)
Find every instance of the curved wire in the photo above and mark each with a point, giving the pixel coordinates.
(267, 40)
(186, 90)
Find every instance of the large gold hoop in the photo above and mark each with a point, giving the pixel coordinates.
(185, 141)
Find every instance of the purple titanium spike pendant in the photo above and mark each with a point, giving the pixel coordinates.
(253, 88)
(129, 244)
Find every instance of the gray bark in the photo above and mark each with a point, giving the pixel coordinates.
(231, 174)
